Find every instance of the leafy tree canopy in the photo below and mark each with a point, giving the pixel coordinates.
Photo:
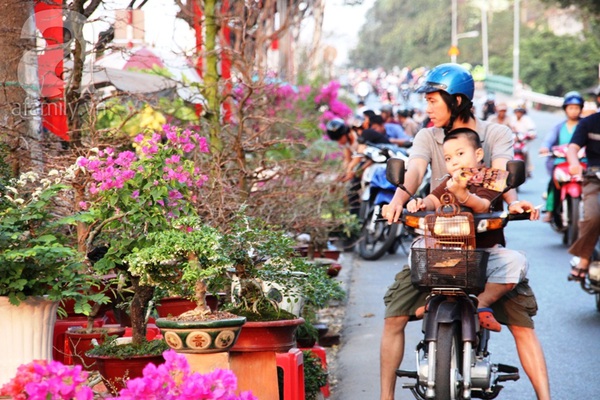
(418, 33)
(591, 6)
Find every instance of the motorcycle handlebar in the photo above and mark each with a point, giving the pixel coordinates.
(477, 217)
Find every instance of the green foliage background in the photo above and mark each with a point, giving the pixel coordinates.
(418, 33)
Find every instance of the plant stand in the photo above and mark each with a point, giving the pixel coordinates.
(253, 358)
(28, 336)
(257, 372)
(205, 363)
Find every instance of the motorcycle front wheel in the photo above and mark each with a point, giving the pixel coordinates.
(376, 237)
(448, 363)
(572, 231)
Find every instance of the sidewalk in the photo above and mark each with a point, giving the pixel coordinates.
(354, 363)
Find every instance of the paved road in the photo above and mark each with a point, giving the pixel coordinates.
(567, 322)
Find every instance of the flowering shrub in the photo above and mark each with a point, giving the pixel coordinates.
(173, 380)
(334, 108)
(43, 380)
(135, 194)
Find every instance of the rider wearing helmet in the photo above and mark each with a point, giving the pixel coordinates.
(349, 139)
(337, 129)
(449, 90)
(586, 135)
(560, 134)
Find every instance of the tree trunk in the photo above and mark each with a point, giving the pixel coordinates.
(137, 310)
(20, 124)
(211, 79)
(313, 55)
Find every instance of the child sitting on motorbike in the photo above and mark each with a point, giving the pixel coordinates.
(462, 149)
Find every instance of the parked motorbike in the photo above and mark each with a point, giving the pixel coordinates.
(453, 358)
(376, 237)
(566, 213)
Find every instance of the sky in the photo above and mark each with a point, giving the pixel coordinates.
(164, 32)
(341, 25)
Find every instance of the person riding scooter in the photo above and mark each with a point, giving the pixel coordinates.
(449, 91)
(560, 134)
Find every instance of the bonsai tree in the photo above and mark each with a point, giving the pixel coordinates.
(184, 258)
(270, 273)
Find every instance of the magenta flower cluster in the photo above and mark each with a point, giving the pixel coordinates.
(328, 96)
(173, 380)
(157, 162)
(43, 380)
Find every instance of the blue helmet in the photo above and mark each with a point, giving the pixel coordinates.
(573, 98)
(451, 78)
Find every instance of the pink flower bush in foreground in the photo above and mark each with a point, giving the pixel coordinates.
(43, 380)
(173, 380)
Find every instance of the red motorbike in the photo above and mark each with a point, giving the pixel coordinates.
(565, 216)
(521, 139)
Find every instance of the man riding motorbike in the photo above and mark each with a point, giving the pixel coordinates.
(586, 134)
(449, 90)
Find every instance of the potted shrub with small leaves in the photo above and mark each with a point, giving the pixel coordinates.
(189, 256)
(41, 265)
(270, 280)
(315, 375)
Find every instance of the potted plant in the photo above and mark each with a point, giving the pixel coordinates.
(41, 265)
(138, 201)
(189, 257)
(270, 280)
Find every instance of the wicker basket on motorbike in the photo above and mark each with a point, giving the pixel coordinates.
(449, 258)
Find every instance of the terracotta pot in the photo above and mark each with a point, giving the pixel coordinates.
(174, 306)
(81, 342)
(200, 337)
(116, 372)
(276, 336)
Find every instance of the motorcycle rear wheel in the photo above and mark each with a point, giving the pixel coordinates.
(448, 362)
(375, 243)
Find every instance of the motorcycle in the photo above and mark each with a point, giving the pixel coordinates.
(567, 210)
(521, 139)
(453, 359)
(591, 283)
(376, 237)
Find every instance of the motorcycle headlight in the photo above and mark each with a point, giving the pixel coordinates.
(561, 175)
(454, 226)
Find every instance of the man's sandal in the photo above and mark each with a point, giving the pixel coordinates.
(487, 320)
(577, 274)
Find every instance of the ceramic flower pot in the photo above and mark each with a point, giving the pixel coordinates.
(212, 336)
(276, 336)
(116, 372)
(80, 342)
(174, 306)
(28, 334)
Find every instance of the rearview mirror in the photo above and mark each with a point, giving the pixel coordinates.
(516, 173)
(394, 171)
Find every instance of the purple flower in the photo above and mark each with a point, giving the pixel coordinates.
(174, 381)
